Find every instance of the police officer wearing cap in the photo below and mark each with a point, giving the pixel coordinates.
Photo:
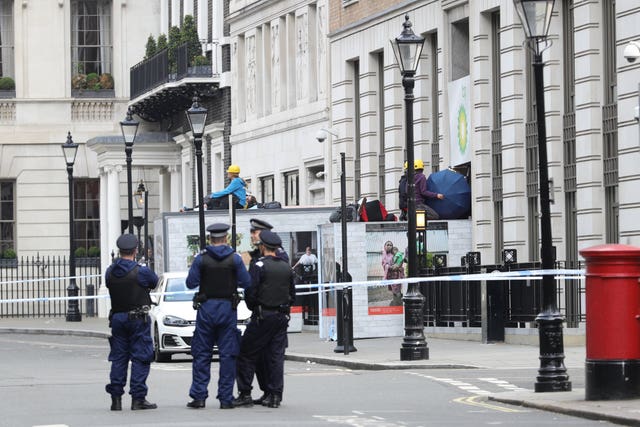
(256, 227)
(129, 284)
(271, 294)
(218, 272)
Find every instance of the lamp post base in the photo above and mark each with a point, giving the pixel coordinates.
(414, 353)
(414, 346)
(73, 312)
(552, 375)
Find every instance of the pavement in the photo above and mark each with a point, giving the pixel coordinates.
(384, 353)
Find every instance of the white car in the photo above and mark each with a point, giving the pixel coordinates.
(173, 319)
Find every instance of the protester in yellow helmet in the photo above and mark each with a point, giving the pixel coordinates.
(421, 192)
(237, 187)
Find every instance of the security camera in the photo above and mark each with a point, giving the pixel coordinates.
(321, 135)
(632, 52)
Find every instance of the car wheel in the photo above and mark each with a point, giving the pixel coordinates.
(158, 356)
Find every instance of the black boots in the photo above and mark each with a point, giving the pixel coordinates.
(139, 404)
(116, 403)
(196, 404)
(243, 399)
(272, 401)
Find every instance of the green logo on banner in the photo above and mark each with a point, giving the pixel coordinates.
(463, 137)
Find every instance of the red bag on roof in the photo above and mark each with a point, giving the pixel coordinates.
(373, 211)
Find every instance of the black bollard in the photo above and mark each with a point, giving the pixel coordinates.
(344, 316)
(91, 291)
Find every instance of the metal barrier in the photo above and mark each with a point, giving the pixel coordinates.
(39, 276)
(458, 303)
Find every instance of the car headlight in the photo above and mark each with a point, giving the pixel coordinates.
(174, 321)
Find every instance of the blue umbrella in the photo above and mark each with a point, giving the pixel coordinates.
(457, 194)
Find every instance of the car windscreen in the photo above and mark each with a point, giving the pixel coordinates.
(178, 285)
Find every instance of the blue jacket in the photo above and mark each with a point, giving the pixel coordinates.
(237, 187)
(218, 252)
(121, 267)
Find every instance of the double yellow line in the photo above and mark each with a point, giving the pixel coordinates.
(472, 400)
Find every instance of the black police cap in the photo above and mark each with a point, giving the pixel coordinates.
(218, 229)
(270, 239)
(258, 224)
(127, 242)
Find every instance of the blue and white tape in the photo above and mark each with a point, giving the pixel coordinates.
(524, 275)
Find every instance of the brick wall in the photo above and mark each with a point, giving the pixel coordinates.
(343, 13)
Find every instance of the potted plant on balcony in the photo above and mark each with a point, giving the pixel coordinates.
(200, 66)
(9, 258)
(87, 258)
(92, 85)
(7, 87)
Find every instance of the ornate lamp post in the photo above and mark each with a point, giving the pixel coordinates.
(197, 117)
(142, 201)
(407, 48)
(70, 149)
(552, 375)
(129, 128)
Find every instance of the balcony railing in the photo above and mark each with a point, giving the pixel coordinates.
(157, 70)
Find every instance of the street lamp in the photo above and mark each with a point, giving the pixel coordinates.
(197, 117)
(407, 48)
(70, 149)
(142, 201)
(129, 128)
(535, 16)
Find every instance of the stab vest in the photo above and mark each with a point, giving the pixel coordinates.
(218, 277)
(126, 293)
(273, 291)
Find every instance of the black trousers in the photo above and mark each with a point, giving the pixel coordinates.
(263, 339)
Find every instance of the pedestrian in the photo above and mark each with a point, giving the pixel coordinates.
(271, 294)
(256, 227)
(308, 258)
(129, 285)
(217, 271)
(237, 186)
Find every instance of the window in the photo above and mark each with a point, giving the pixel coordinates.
(266, 189)
(6, 38)
(91, 44)
(86, 212)
(7, 215)
(291, 189)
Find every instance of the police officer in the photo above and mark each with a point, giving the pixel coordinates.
(256, 227)
(217, 271)
(129, 285)
(271, 294)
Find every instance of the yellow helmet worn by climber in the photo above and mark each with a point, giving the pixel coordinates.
(233, 169)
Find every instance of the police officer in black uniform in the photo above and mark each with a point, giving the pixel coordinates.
(257, 225)
(270, 297)
(217, 271)
(129, 284)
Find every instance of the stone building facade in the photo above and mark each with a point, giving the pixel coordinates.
(590, 95)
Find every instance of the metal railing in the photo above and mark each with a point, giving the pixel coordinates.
(37, 279)
(160, 69)
(453, 303)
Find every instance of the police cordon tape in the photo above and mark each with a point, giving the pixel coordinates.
(524, 275)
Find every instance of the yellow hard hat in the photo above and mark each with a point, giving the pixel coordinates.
(417, 164)
(405, 166)
(233, 169)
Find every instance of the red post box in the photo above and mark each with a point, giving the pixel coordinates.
(613, 322)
